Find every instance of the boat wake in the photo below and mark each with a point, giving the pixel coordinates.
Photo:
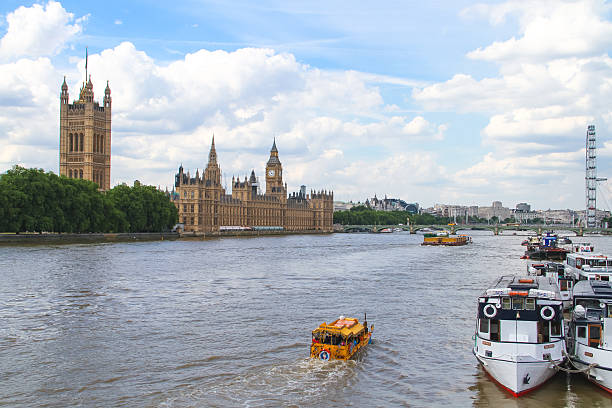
(302, 382)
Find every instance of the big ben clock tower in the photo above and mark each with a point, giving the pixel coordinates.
(274, 175)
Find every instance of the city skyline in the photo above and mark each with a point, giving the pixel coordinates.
(458, 102)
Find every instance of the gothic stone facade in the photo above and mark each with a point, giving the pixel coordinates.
(205, 207)
(85, 136)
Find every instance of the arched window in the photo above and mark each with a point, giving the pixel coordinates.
(81, 144)
(70, 142)
(76, 143)
(70, 171)
(102, 149)
(81, 171)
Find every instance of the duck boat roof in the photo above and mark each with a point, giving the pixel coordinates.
(529, 286)
(344, 327)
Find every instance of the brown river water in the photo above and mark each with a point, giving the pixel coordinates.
(227, 322)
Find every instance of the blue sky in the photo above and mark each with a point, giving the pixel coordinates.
(455, 102)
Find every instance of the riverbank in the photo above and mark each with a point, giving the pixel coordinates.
(57, 239)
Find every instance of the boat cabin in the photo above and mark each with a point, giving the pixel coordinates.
(556, 271)
(592, 314)
(589, 266)
(340, 339)
(521, 309)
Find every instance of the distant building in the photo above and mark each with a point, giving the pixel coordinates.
(523, 207)
(391, 204)
(343, 206)
(204, 205)
(454, 211)
(85, 136)
(496, 210)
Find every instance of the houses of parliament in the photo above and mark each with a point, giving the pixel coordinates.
(85, 136)
(204, 205)
(202, 202)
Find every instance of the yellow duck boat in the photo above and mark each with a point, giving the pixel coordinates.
(341, 339)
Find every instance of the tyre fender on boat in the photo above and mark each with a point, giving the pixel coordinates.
(547, 313)
(324, 355)
(489, 310)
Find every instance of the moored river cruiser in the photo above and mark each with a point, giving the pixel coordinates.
(589, 266)
(519, 332)
(590, 331)
(341, 339)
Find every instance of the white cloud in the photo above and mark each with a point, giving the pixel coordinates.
(555, 78)
(165, 114)
(118, 22)
(548, 29)
(39, 31)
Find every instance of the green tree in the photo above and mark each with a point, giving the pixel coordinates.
(32, 200)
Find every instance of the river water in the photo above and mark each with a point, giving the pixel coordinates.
(226, 322)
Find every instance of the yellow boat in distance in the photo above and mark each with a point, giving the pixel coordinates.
(447, 239)
(340, 339)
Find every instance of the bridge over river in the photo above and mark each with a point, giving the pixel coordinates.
(495, 228)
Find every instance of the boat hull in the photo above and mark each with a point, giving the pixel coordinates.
(600, 375)
(328, 352)
(518, 377)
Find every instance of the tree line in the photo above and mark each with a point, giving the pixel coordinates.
(34, 201)
(362, 215)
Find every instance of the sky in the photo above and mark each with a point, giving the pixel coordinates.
(454, 102)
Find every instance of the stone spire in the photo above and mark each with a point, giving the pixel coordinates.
(107, 96)
(64, 95)
(213, 171)
(212, 156)
(273, 154)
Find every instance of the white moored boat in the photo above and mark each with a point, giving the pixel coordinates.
(590, 331)
(588, 265)
(519, 332)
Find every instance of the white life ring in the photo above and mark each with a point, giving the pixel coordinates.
(324, 355)
(489, 310)
(547, 313)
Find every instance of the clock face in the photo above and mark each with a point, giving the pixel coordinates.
(271, 173)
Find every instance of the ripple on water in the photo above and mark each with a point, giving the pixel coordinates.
(227, 323)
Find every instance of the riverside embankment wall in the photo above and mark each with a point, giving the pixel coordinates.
(55, 239)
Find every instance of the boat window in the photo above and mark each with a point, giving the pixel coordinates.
(609, 262)
(543, 332)
(484, 326)
(581, 332)
(609, 311)
(571, 261)
(563, 284)
(555, 328)
(495, 330)
(530, 304)
(518, 303)
(506, 303)
(594, 335)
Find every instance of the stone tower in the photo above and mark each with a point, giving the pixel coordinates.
(274, 176)
(212, 172)
(85, 136)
